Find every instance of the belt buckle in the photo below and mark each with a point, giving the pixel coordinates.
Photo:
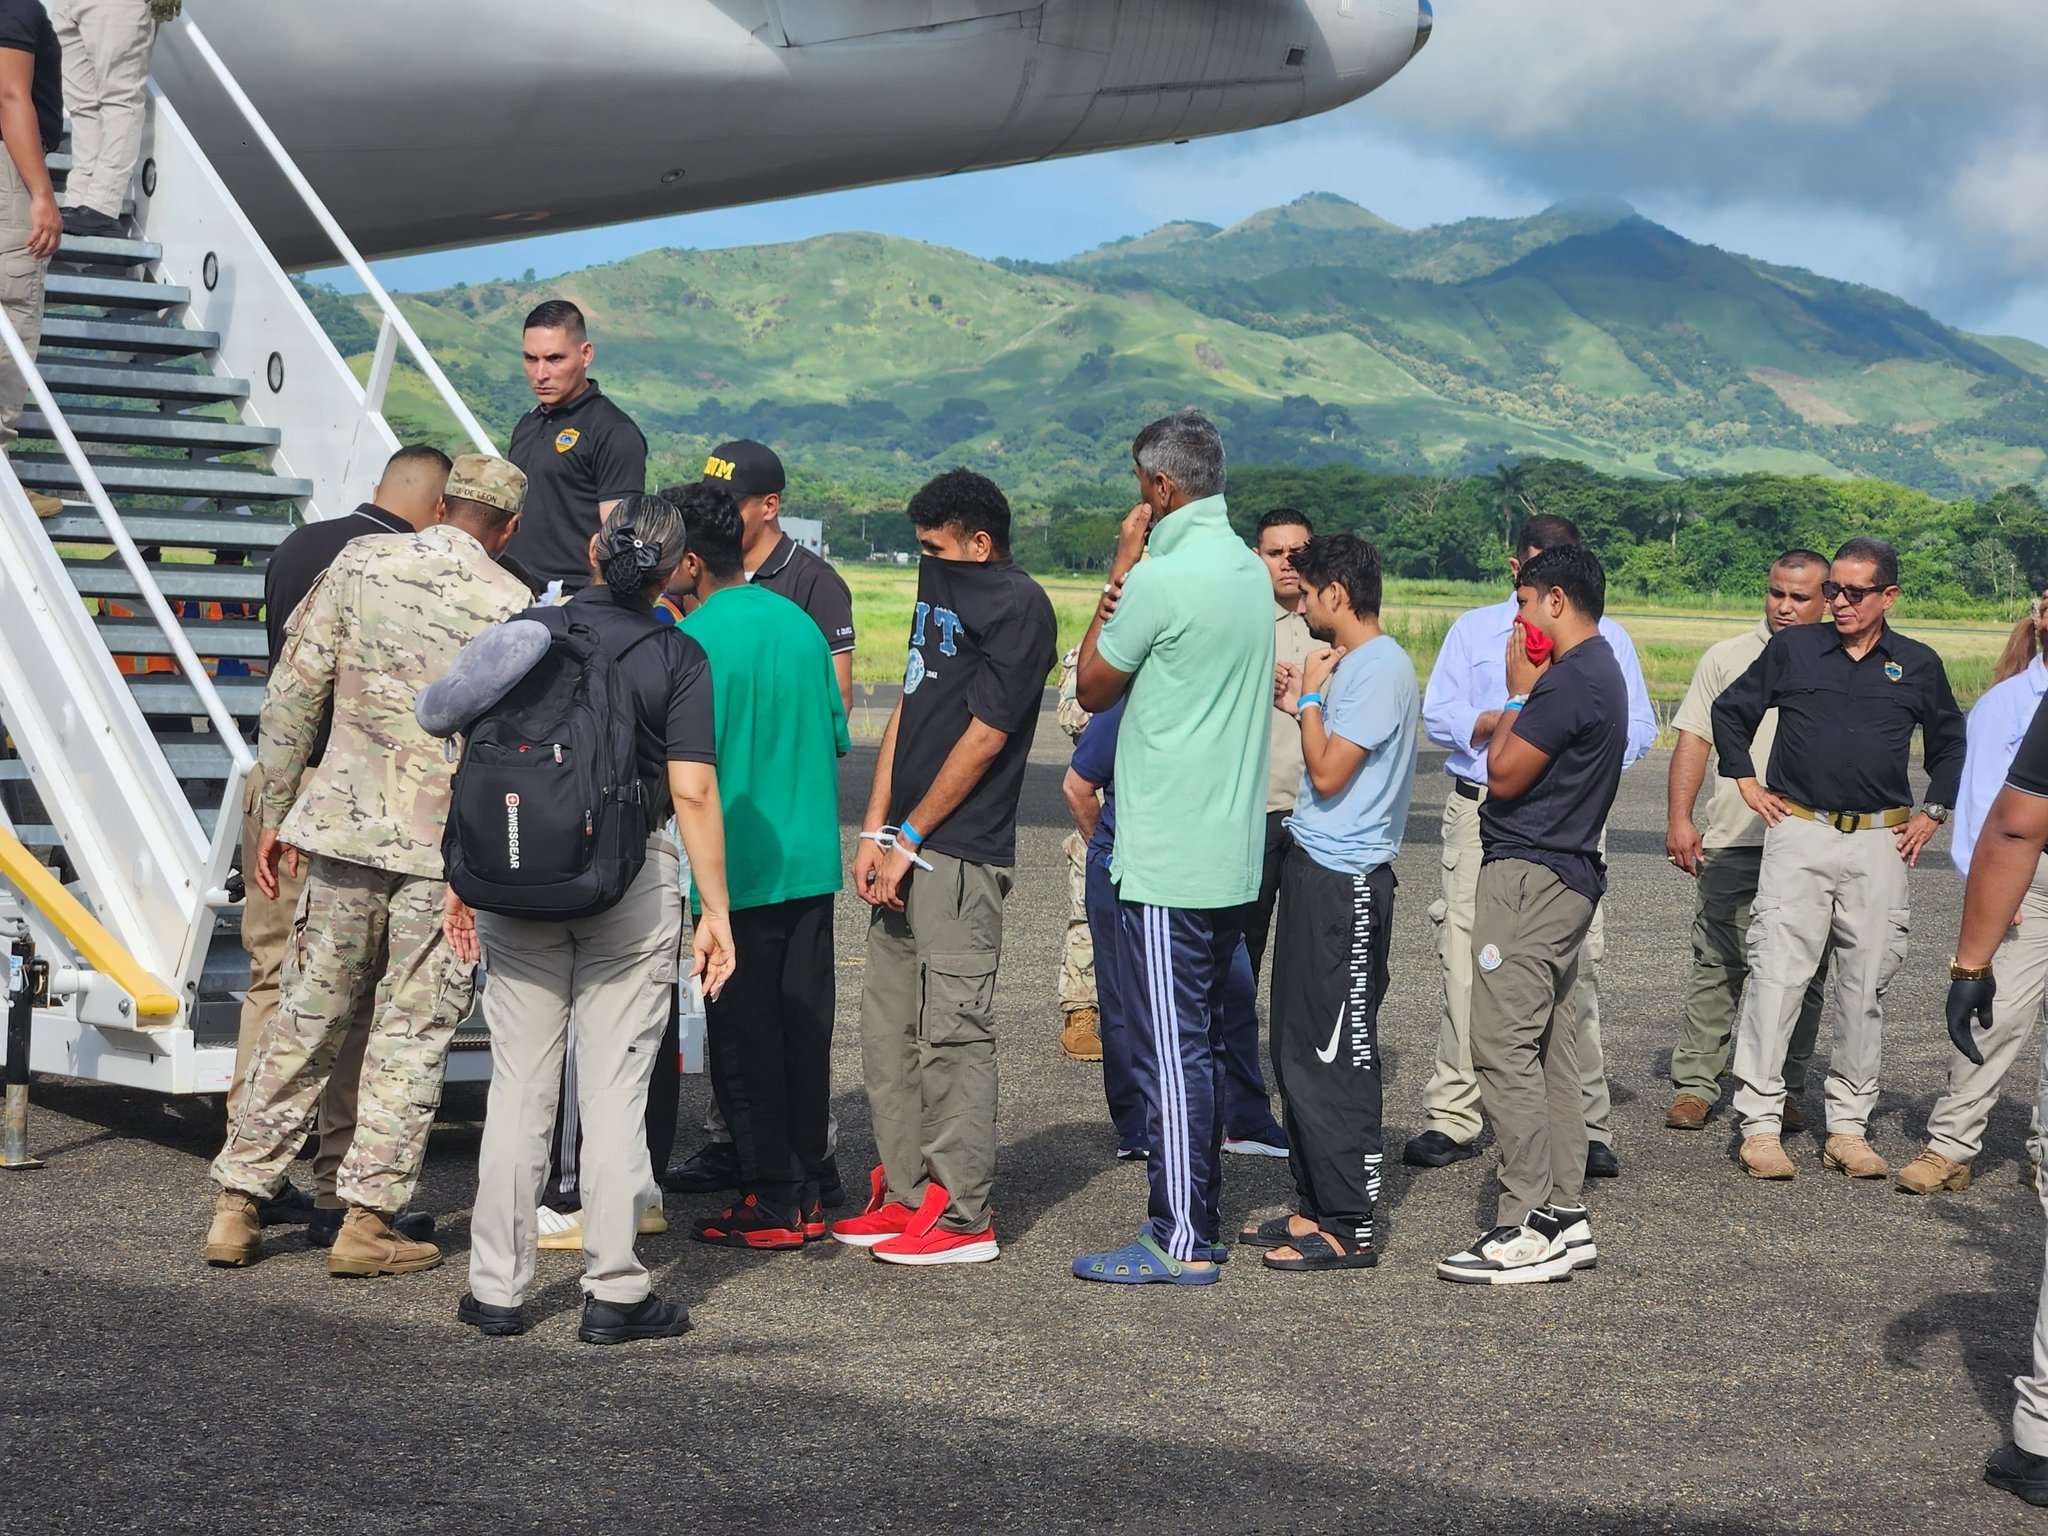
(1843, 821)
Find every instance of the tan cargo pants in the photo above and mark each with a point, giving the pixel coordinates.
(106, 77)
(266, 925)
(1955, 1126)
(1450, 1101)
(21, 294)
(1816, 883)
(928, 1036)
(614, 972)
(1077, 954)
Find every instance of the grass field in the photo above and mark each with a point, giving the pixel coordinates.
(1668, 641)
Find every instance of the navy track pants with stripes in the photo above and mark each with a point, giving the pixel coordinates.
(1177, 970)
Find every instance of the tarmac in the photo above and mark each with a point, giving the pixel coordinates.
(1825, 1356)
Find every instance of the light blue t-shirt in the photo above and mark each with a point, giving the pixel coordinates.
(1370, 700)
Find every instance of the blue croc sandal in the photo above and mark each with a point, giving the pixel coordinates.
(1143, 1263)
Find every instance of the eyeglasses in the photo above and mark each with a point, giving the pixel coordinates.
(1834, 589)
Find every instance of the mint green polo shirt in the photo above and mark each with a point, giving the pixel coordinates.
(1195, 627)
(781, 730)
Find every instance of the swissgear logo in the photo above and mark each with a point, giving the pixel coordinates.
(512, 830)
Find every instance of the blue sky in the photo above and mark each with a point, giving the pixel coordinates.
(1856, 137)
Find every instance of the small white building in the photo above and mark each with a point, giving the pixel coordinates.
(807, 531)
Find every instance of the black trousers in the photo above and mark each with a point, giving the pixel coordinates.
(770, 1039)
(1258, 917)
(664, 1090)
(1329, 974)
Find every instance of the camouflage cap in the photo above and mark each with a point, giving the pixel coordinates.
(489, 479)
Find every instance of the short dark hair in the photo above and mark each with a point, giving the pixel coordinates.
(1878, 553)
(1571, 569)
(557, 314)
(711, 525)
(482, 515)
(1283, 517)
(1794, 558)
(962, 499)
(1186, 448)
(1345, 560)
(420, 453)
(1546, 531)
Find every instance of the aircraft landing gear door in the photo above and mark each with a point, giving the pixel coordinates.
(804, 22)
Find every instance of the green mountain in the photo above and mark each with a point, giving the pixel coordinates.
(1316, 332)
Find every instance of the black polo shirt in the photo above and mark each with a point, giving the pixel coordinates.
(793, 572)
(576, 457)
(1845, 727)
(298, 562)
(25, 25)
(667, 679)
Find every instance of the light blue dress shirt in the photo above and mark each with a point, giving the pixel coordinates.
(1997, 723)
(1471, 677)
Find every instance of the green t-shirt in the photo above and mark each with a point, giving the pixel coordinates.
(781, 730)
(1195, 626)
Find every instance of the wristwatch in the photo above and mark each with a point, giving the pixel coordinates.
(1938, 814)
(1957, 971)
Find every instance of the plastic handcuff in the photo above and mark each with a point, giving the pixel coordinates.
(885, 838)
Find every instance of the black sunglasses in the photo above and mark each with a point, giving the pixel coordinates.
(1834, 589)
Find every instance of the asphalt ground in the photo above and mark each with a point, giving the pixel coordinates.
(1819, 1356)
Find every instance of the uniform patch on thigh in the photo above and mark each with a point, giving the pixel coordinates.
(1489, 957)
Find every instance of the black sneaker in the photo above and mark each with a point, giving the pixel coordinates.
(287, 1208)
(498, 1322)
(1601, 1163)
(90, 224)
(831, 1192)
(323, 1226)
(712, 1167)
(1433, 1149)
(1576, 1228)
(606, 1322)
(2020, 1473)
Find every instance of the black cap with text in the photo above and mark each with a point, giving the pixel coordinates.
(747, 469)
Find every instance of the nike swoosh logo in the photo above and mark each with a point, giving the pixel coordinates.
(1330, 1055)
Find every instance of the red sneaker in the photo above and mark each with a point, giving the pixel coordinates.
(814, 1223)
(748, 1225)
(924, 1241)
(882, 1220)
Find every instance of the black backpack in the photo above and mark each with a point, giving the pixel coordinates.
(546, 819)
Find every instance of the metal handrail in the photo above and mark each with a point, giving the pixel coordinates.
(153, 998)
(339, 237)
(117, 534)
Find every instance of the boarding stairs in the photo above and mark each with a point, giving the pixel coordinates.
(190, 411)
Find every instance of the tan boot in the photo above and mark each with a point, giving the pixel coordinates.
(1688, 1112)
(45, 506)
(1855, 1156)
(1082, 1038)
(236, 1236)
(1930, 1171)
(367, 1245)
(1792, 1118)
(1764, 1158)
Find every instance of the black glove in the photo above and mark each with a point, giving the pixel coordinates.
(1969, 1002)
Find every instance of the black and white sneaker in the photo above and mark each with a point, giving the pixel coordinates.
(1524, 1255)
(1576, 1229)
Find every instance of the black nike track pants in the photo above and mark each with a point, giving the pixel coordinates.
(1329, 974)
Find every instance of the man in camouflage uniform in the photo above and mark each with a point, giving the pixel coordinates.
(383, 621)
(1081, 1034)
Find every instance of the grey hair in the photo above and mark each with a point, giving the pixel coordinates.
(1187, 449)
(640, 544)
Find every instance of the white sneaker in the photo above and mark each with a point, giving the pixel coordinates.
(1524, 1255)
(560, 1231)
(1576, 1229)
(1249, 1148)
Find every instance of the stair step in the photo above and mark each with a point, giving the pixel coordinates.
(79, 524)
(166, 693)
(41, 835)
(124, 336)
(195, 757)
(160, 477)
(79, 377)
(113, 292)
(106, 251)
(180, 583)
(212, 637)
(155, 429)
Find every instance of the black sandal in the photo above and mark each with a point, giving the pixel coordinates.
(1271, 1233)
(1316, 1253)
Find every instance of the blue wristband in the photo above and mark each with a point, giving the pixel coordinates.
(909, 834)
(1514, 705)
(1309, 698)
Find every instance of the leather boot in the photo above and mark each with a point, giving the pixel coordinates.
(368, 1245)
(236, 1236)
(1855, 1156)
(1763, 1157)
(1081, 1039)
(1930, 1171)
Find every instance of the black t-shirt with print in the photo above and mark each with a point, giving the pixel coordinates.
(1578, 714)
(982, 641)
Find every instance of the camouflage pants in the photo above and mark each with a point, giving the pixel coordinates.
(356, 929)
(1077, 957)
